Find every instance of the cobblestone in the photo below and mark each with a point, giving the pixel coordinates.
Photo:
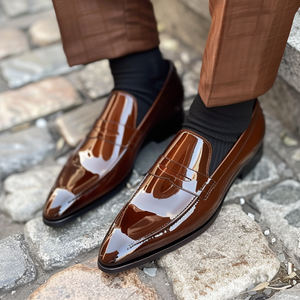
(18, 7)
(220, 264)
(44, 31)
(280, 211)
(36, 100)
(26, 193)
(290, 65)
(74, 125)
(55, 247)
(13, 41)
(72, 283)
(35, 65)
(97, 79)
(16, 266)
(18, 151)
(190, 80)
(232, 256)
(291, 294)
(264, 175)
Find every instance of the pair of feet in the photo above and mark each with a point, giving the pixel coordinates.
(182, 193)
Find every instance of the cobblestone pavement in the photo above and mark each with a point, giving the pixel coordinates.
(252, 251)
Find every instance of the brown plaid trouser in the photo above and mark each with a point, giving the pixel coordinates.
(245, 45)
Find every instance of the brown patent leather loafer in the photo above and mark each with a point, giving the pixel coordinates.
(178, 200)
(103, 161)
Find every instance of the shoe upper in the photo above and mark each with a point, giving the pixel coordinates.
(177, 196)
(102, 151)
(106, 156)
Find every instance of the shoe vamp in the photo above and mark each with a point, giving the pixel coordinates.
(150, 222)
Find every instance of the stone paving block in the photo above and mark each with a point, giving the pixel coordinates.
(280, 211)
(44, 31)
(13, 41)
(275, 132)
(290, 64)
(74, 125)
(26, 193)
(3, 85)
(55, 247)
(8, 227)
(35, 65)
(291, 294)
(86, 281)
(262, 176)
(23, 149)
(25, 21)
(191, 79)
(16, 266)
(225, 260)
(2, 16)
(36, 100)
(18, 7)
(97, 79)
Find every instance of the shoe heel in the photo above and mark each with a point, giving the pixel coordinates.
(167, 128)
(252, 163)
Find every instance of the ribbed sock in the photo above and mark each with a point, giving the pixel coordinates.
(141, 74)
(221, 125)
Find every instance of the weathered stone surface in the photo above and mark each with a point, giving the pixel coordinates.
(3, 85)
(291, 294)
(36, 100)
(2, 16)
(187, 24)
(262, 176)
(18, 7)
(290, 65)
(97, 79)
(16, 266)
(13, 41)
(280, 211)
(55, 247)
(273, 143)
(24, 21)
(8, 227)
(226, 259)
(199, 6)
(74, 125)
(86, 281)
(23, 149)
(289, 113)
(45, 31)
(35, 65)
(27, 192)
(191, 80)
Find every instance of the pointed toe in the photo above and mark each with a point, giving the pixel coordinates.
(58, 202)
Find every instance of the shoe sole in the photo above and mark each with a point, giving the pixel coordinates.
(158, 133)
(186, 239)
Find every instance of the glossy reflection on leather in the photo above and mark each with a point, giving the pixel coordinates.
(104, 159)
(177, 197)
(170, 187)
(98, 154)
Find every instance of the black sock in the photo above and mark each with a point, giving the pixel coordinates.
(141, 74)
(221, 125)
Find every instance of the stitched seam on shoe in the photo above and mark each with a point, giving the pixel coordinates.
(186, 167)
(113, 122)
(169, 223)
(127, 146)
